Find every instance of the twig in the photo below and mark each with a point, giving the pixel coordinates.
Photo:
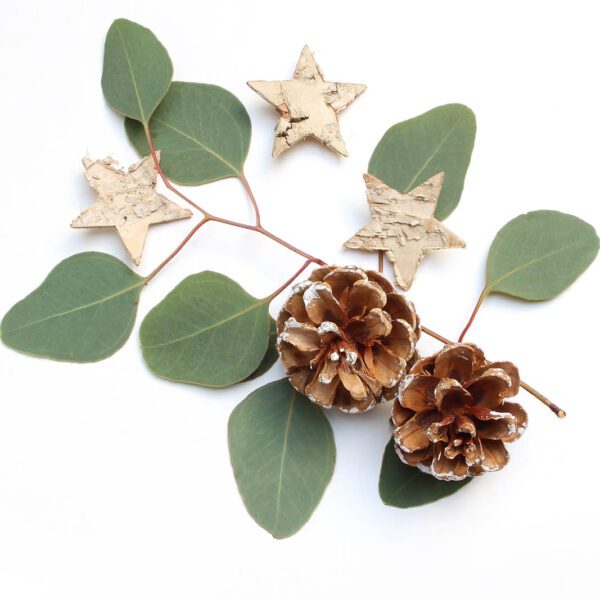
(289, 281)
(482, 297)
(210, 217)
(559, 412)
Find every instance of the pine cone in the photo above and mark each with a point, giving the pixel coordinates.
(451, 417)
(345, 337)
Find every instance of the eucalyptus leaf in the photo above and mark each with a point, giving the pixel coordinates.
(207, 331)
(539, 254)
(412, 151)
(403, 486)
(137, 70)
(283, 456)
(82, 312)
(202, 131)
(271, 355)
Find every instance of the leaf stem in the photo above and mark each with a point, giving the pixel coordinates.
(482, 297)
(175, 252)
(252, 198)
(289, 281)
(559, 412)
(210, 217)
(165, 179)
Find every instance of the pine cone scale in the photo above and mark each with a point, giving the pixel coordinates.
(451, 417)
(341, 343)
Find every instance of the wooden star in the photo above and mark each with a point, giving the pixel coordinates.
(308, 105)
(127, 201)
(403, 226)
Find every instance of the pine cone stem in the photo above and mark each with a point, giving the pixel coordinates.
(559, 412)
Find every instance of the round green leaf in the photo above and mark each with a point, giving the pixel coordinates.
(83, 311)
(403, 486)
(202, 132)
(283, 455)
(207, 331)
(412, 151)
(137, 70)
(271, 355)
(539, 254)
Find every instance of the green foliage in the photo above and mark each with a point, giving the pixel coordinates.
(202, 131)
(137, 70)
(83, 311)
(283, 456)
(412, 151)
(207, 331)
(403, 486)
(271, 355)
(539, 254)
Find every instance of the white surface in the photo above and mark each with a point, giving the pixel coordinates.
(114, 484)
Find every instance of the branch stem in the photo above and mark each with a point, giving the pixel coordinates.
(210, 217)
(559, 412)
(482, 297)
(175, 252)
(280, 289)
(252, 199)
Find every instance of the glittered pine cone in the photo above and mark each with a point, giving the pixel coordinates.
(451, 416)
(345, 337)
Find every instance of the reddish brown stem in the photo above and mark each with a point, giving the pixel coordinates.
(381, 261)
(252, 199)
(559, 412)
(209, 217)
(175, 252)
(289, 281)
(166, 181)
(482, 297)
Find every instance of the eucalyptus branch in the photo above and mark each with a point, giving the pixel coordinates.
(210, 217)
(559, 412)
(289, 281)
(175, 252)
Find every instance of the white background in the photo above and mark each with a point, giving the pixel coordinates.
(115, 484)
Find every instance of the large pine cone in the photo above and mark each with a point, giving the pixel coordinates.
(451, 416)
(345, 338)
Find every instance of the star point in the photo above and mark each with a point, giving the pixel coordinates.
(127, 201)
(403, 226)
(308, 105)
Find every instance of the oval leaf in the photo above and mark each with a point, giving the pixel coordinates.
(403, 486)
(413, 151)
(283, 455)
(207, 331)
(202, 132)
(83, 311)
(539, 254)
(137, 70)
(271, 355)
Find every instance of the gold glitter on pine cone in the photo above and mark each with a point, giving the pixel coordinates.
(345, 337)
(451, 417)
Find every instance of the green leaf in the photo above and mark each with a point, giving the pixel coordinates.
(283, 455)
(412, 151)
(403, 486)
(270, 357)
(202, 132)
(83, 311)
(137, 70)
(539, 254)
(207, 331)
